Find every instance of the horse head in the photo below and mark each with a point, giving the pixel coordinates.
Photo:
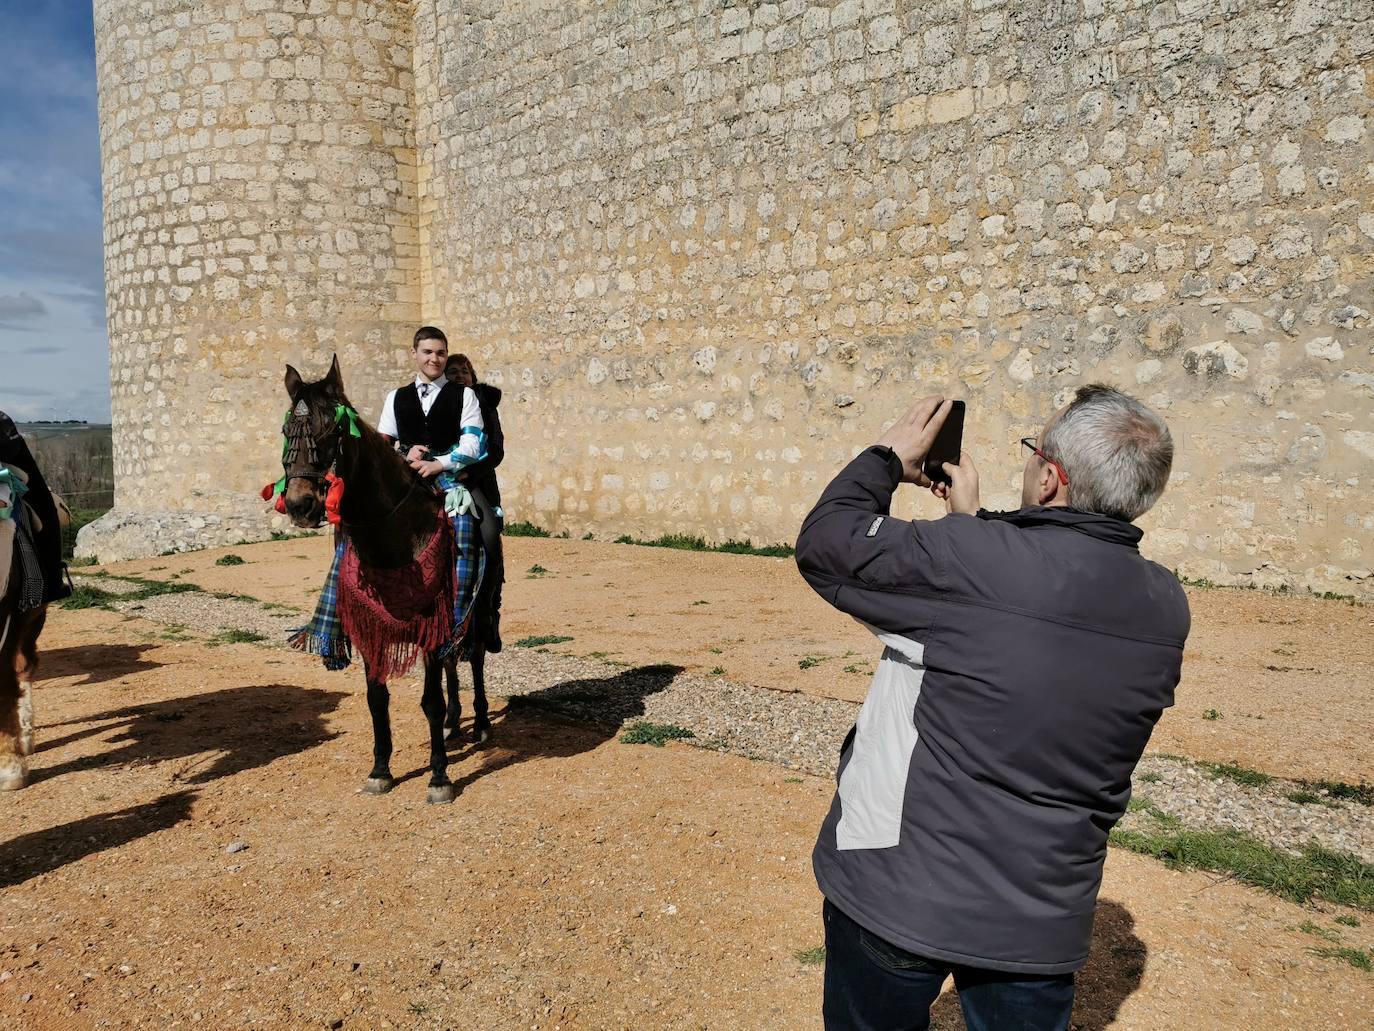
(314, 434)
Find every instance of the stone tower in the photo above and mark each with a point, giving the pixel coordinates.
(259, 193)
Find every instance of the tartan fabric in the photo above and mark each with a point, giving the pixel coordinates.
(324, 634)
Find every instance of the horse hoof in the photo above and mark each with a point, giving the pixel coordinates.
(441, 794)
(14, 774)
(378, 785)
(482, 735)
(453, 737)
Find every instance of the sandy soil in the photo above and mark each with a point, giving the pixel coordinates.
(1291, 679)
(577, 883)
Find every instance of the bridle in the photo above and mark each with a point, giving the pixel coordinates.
(298, 438)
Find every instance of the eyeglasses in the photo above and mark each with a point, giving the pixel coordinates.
(1029, 443)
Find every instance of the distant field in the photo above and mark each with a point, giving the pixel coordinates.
(78, 463)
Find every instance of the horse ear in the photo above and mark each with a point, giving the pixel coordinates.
(293, 382)
(334, 379)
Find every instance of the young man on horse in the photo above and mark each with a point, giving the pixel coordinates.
(438, 424)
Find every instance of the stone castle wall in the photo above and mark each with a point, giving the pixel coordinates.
(259, 191)
(708, 250)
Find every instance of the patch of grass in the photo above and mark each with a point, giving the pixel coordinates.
(810, 957)
(1306, 798)
(656, 734)
(524, 529)
(229, 560)
(84, 596)
(80, 517)
(701, 603)
(716, 671)
(1211, 714)
(811, 660)
(716, 651)
(856, 668)
(1348, 920)
(280, 535)
(77, 563)
(1360, 959)
(793, 780)
(1240, 774)
(1360, 794)
(1139, 803)
(1151, 778)
(534, 571)
(539, 642)
(1318, 873)
(686, 542)
(237, 636)
(1325, 933)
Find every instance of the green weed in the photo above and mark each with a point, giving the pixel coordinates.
(229, 560)
(539, 642)
(656, 734)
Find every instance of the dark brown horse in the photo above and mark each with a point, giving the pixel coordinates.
(389, 516)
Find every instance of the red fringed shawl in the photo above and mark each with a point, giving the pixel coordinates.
(393, 616)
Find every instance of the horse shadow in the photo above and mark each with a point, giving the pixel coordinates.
(96, 663)
(1113, 973)
(41, 852)
(564, 720)
(219, 733)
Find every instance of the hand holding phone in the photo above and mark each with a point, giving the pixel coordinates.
(947, 446)
(913, 435)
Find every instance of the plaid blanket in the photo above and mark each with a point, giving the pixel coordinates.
(324, 634)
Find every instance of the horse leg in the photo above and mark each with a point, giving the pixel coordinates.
(26, 668)
(14, 770)
(481, 726)
(432, 703)
(379, 781)
(454, 713)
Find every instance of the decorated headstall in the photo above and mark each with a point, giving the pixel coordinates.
(318, 453)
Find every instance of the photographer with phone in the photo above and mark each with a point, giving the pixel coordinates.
(1027, 657)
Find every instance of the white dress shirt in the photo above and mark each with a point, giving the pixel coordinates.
(469, 444)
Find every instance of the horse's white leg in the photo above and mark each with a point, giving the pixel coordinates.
(26, 717)
(14, 772)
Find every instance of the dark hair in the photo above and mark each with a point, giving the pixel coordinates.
(454, 360)
(429, 333)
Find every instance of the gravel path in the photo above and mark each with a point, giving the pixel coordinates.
(790, 729)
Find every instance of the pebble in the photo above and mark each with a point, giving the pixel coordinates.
(235, 846)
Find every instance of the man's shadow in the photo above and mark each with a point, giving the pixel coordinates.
(566, 719)
(219, 733)
(1113, 973)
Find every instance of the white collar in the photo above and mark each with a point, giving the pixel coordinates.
(437, 384)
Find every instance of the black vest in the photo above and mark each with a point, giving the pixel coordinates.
(440, 429)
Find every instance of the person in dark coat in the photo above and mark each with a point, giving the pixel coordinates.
(14, 450)
(481, 478)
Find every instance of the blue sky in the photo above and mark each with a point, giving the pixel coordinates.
(53, 346)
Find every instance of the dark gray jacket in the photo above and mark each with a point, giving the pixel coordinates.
(1027, 657)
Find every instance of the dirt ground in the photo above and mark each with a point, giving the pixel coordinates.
(577, 882)
(1290, 679)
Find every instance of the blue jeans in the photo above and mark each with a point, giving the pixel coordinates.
(872, 985)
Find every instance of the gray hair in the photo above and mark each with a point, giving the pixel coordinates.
(1116, 452)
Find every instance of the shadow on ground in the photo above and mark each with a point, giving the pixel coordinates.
(592, 710)
(219, 733)
(96, 663)
(1114, 971)
(40, 852)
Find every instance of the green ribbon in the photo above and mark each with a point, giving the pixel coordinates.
(279, 487)
(18, 488)
(342, 413)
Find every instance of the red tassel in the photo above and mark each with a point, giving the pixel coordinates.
(332, 497)
(267, 491)
(280, 506)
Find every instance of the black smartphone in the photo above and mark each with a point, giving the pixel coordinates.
(948, 446)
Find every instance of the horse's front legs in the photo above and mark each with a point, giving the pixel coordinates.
(481, 726)
(379, 781)
(453, 716)
(432, 703)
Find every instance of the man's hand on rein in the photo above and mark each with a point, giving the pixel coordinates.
(426, 469)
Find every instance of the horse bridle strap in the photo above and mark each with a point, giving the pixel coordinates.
(297, 432)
